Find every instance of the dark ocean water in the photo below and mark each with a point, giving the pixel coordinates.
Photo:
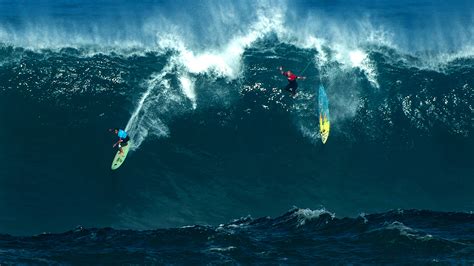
(300, 236)
(217, 139)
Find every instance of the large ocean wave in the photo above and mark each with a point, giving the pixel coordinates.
(215, 137)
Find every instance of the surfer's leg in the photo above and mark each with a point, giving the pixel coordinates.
(293, 88)
(125, 141)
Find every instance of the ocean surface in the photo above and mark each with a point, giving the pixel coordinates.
(226, 167)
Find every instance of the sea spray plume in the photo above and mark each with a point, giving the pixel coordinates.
(38, 32)
(222, 61)
(210, 23)
(445, 28)
(124, 25)
(204, 24)
(342, 42)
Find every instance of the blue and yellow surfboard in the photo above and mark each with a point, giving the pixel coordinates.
(324, 123)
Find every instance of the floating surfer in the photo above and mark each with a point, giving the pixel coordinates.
(123, 138)
(292, 84)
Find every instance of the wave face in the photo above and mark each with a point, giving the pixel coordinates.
(217, 138)
(300, 236)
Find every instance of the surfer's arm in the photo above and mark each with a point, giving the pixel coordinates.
(116, 143)
(301, 77)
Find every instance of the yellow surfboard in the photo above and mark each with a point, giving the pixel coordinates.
(324, 126)
(120, 158)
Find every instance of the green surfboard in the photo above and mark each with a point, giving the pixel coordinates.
(120, 158)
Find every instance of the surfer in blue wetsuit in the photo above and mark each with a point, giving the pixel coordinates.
(123, 138)
(292, 85)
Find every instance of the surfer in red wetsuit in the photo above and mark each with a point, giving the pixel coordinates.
(292, 85)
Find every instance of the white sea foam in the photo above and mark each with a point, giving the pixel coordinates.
(216, 249)
(408, 231)
(305, 215)
(187, 84)
(360, 60)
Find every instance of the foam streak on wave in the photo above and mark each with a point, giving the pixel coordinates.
(142, 122)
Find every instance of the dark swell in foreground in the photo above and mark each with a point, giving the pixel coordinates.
(298, 236)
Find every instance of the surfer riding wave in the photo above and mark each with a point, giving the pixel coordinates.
(123, 138)
(292, 84)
